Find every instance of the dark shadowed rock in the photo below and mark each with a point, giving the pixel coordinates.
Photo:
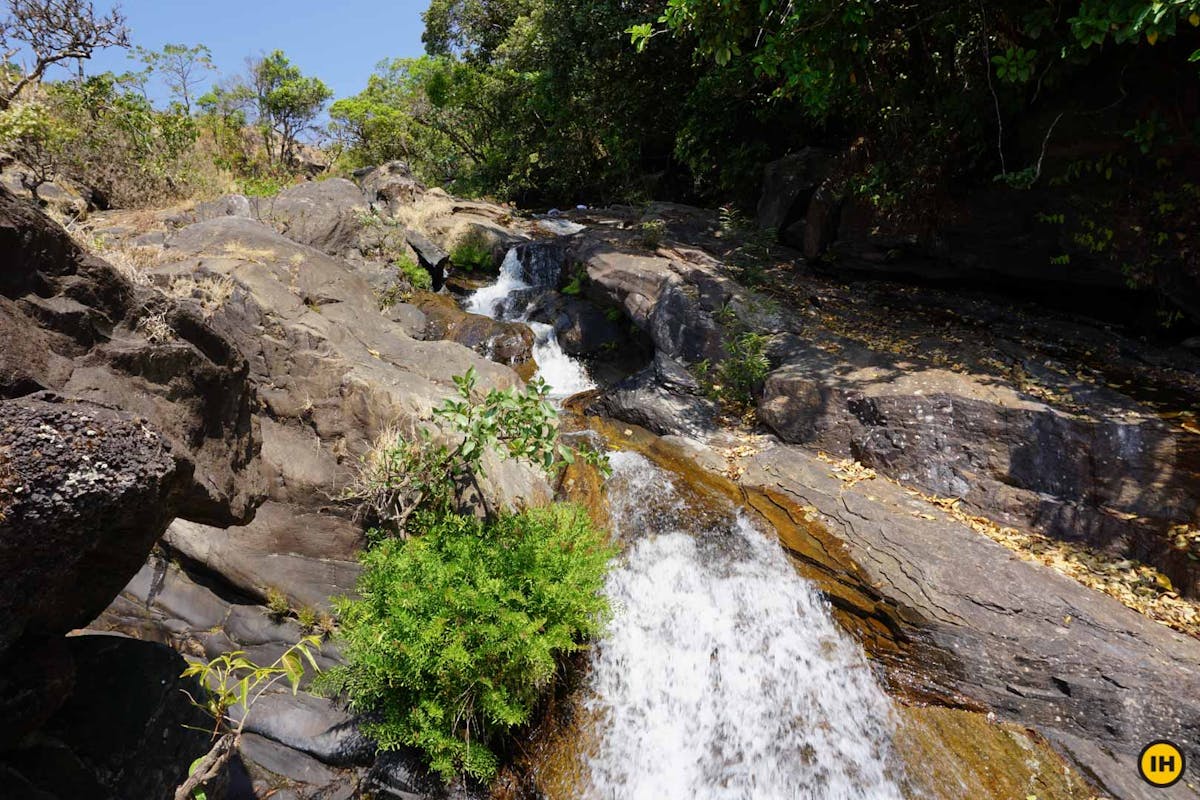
(85, 493)
(583, 329)
(281, 772)
(431, 258)
(312, 725)
(663, 398)
(122, 731)
(788, 186)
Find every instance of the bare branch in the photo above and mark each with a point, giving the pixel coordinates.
(53, 31)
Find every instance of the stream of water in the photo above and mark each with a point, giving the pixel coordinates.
(723, 675)
(508, 299)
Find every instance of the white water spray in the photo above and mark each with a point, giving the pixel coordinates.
(507, 299)
(723, 676)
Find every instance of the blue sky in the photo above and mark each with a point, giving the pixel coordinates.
(339, 41)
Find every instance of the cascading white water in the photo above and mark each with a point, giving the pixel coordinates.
(723, 675)
(507, 299)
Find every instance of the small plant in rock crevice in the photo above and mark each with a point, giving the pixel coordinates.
(652, 234)
(404, 473)
(736, 380)
(416, 275)
(231, 682)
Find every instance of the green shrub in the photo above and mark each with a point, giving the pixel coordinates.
(652, 233)
(415, 274)
(261, 186)
(473, 255)
(401, 475)
(736, 379)
(457, 633)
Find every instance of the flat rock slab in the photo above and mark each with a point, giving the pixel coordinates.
(1099, 680)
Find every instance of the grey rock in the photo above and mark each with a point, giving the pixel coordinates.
(1014, 458)
(72, 324)
(391, 186)
(662, 398)
(326, 215)
(1096, 678)
(312, 725)
(279, 771)
(788, 186)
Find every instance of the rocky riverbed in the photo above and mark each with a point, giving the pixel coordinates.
(909, 446)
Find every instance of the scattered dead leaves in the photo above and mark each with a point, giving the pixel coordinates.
(1136, 585)
(847, 470)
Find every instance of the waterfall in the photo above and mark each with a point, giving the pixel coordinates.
(723, 675)
(528, 268)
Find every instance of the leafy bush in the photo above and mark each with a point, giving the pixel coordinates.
(736, 379)
(652, 233)
(473, 255)
(415, 274)
(401, 475)
(262, 185)
(457, 633)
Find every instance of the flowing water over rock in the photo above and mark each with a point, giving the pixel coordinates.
(723, 676)
(525, 270)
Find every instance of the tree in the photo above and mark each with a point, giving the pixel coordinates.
(54, 31)
(287, 102)
(38, 139)
(183, 69)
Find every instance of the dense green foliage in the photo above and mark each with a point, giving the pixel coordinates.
(459, 632)
(461, 623)
(544, 98)
(104, 133)
(404, 474)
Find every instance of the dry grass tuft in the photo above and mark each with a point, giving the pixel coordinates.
(133, 261)
(211, 291)
(155, 328)
(253, 255)
(418, 215)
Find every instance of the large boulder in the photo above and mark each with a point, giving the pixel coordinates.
(1116, 483)
(672, 300)
(327, 215)
(335, 374)
(70, 323)
(788, 186)
(84, 493)
(391, 186)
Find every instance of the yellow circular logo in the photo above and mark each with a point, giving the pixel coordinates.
(1161, 763)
